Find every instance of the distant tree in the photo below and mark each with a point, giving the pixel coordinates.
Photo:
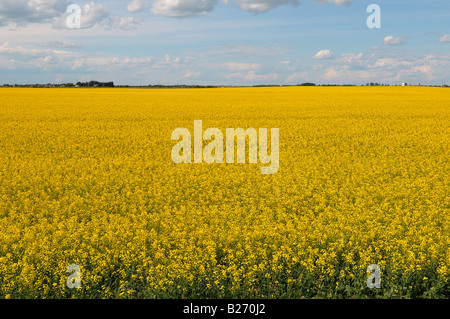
(96, 84)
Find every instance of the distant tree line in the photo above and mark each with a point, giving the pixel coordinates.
(163, 86)
(111, 85)
(96, 84)
(271, 85)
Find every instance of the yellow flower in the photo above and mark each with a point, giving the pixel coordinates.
(86, 178)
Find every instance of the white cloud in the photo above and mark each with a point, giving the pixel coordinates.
(296, 77)
(259, 6)
(445, 38)
(390, 63)
(352, 58)
(195, 8)
(137, 6)
(167, 63)
(30, 11)
(22, 12)
(109, 63)
(251, 76)
(189, 75)
(59, 44)
(288, 66)
(183, 8)
(241, 51)
(324, 54)
(233, 66)
(6, 48)
(391, 40)
(35, 58)
(93, 14)
(345, 73)
(57, 59)
(124, 23)
(352, 67)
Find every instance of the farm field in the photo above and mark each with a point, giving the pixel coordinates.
(86, 178)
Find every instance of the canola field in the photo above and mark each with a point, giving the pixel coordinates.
(86, 178)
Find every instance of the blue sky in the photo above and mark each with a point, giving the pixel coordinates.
(225, 42)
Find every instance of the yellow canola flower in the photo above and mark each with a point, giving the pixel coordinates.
(86, 178)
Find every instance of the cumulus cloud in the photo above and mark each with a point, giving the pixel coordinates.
(22, 12)
(30, 11)
(195, 8)
(350, 58)
(259, 6)
(137, 6)
(445, 38)
(391, 40)
(98, 14)
(92, 14)
(353, 67)
(324, 54)
(183, 8)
